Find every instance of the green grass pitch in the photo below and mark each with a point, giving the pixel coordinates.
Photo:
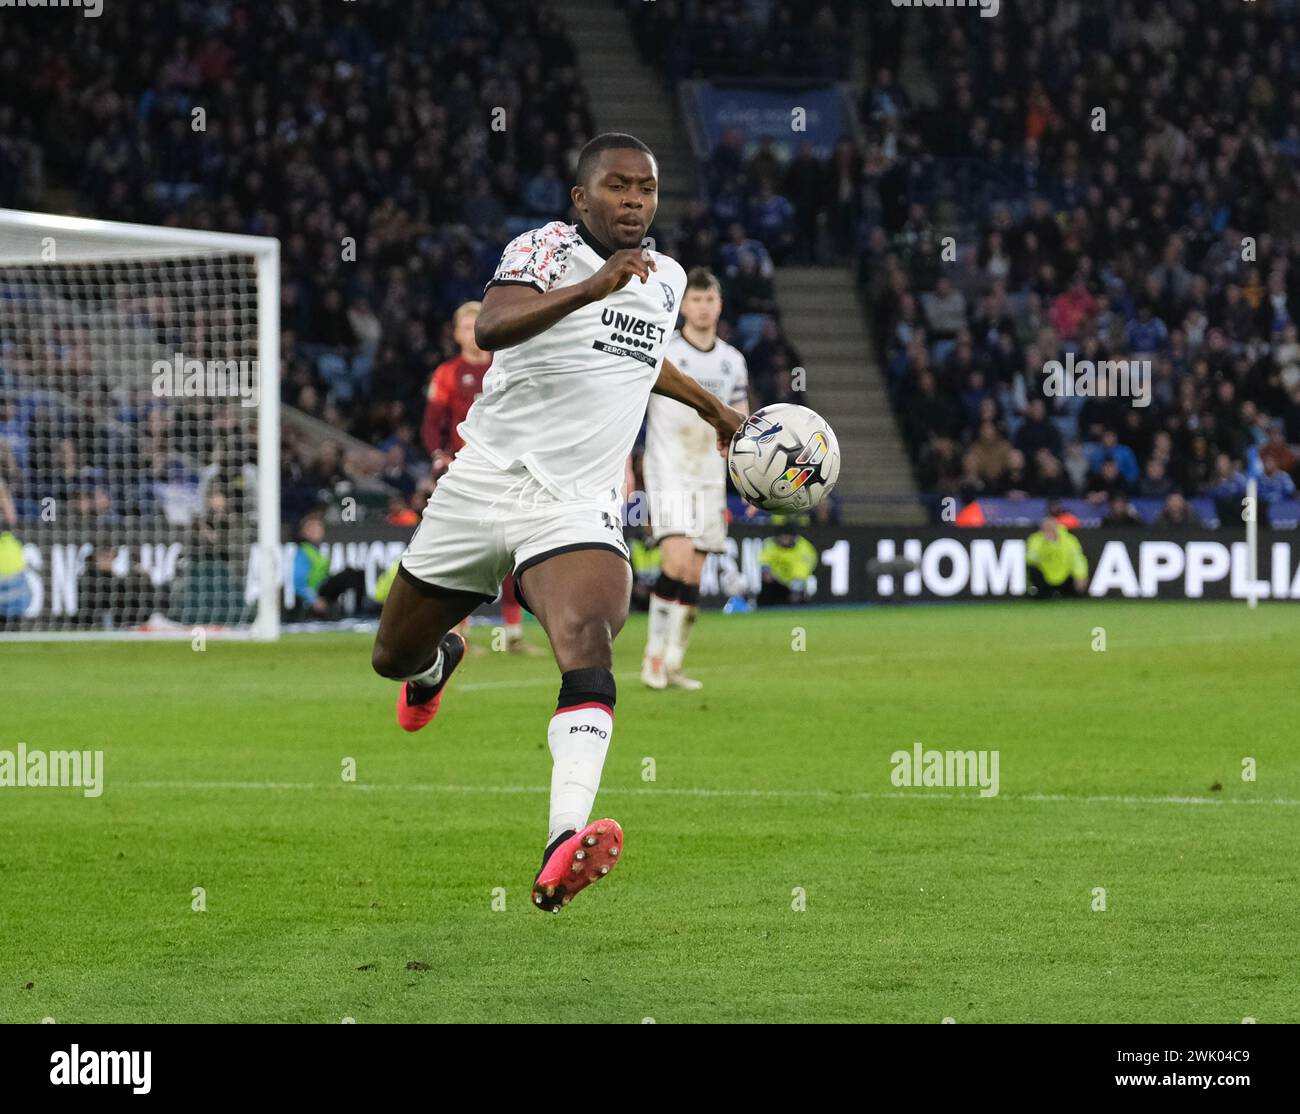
(374, 900)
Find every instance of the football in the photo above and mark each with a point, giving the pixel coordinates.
(784, 459)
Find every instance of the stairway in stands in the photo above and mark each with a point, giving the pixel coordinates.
(822, 316)
(820, 310)
(627, 96)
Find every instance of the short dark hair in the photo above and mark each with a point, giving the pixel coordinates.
(610, 141)
(701, 278)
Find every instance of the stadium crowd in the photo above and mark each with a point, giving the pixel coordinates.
(362, 138)
(1164, 230)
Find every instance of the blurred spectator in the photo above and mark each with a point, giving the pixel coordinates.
(1120, 514)
(787, 562)
(1177, 511)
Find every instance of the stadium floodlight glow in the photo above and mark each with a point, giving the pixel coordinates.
(139, 431)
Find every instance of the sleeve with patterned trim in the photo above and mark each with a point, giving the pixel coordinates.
(536, 258)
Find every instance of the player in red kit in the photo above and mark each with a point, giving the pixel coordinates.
(452, 390)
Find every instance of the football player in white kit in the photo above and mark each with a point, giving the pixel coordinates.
(686, 481)
(579, 316)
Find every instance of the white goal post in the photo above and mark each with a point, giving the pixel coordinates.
(139, 431)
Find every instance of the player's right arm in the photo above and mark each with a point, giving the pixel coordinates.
(520, 309)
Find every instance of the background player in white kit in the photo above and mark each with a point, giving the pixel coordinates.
(536, 488)
(686, 480)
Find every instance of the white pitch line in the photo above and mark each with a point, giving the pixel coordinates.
(886, 657)
(670, 791)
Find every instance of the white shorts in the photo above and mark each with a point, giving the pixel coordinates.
(482, 523)
(699, 514)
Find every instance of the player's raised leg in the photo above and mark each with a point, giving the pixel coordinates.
(581, 600)
(417, 646)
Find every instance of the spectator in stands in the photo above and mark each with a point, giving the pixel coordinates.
(1228, 484)
(737, 245)
(728, 159)
(1196, 466)
(989, 458)
(1112, 449)
(1073, 309)
(397, 473)
(945, 310)
(930, 413)
(1037, 432)
(1120, 513)
(1049, 478)
(765, 166)
(546, 195)
(772, 217)
(1177, 511)
(1106, 483)
(804, 186)
(1274, 485)
(750, 293)
(770, 348)
(1278, 451)
(977, 398)
(1155, 484)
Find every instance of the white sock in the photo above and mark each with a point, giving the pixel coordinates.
(579, 739)
(661, 615)
(679, 634)
(430, 676)
(514, 631)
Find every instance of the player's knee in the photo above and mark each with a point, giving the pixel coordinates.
(676, 559)
(584, 642)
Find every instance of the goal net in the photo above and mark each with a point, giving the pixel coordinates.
(139, 431)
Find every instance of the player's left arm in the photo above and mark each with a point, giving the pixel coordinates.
(676, 384)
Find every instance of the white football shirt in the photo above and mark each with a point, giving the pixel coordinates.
(567, 404)
(678, 442)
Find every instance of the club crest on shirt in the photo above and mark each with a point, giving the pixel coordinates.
(670, 299)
